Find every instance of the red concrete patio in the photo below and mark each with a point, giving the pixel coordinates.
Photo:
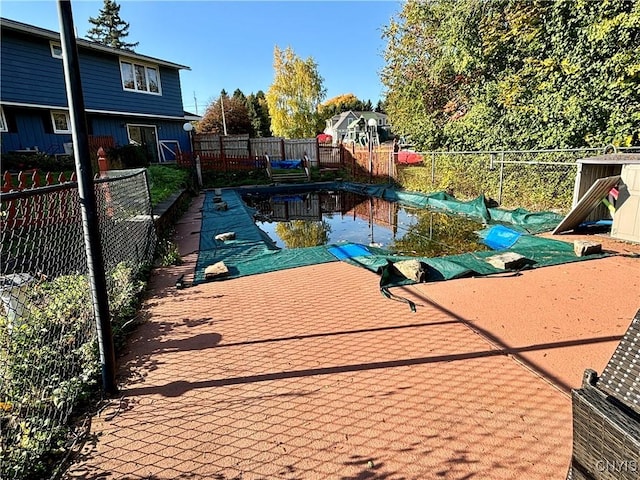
(310, 373)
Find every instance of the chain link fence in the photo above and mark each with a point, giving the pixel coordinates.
(48, 350)
(534, 179)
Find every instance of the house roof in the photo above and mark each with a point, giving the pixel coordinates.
(366, 116)
(7, 24)
(337, 120)
(192, 117)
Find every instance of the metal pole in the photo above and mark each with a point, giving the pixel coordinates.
(501, 178)
(433, 168)
(196, 159)
(370, 154)
(91, 229)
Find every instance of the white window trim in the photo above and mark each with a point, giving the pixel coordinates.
(3, 121)
(53, 53)
(133, 63)
(66, 114)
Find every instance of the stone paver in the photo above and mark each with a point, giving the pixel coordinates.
(310, 373)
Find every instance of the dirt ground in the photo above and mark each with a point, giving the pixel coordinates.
(310, 373)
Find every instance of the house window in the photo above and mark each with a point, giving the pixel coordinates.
(61, 123)
(140, 78)
(3, 121)
(56, 50)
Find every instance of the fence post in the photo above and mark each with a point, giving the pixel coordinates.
(501, 178)
(222, 155)
(282, 151)
(433, 168)
(103, 162)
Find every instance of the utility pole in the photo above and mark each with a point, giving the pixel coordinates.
(224, 122)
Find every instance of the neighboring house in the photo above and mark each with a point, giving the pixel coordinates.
(130, 97)
(344, 127)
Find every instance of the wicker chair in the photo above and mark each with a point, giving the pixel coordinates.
(606, 416)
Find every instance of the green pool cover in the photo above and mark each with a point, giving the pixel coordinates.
(253, 252)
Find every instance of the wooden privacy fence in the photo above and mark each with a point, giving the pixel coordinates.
(101, 141)
(241, 153)
(365, 164)
(330, 156)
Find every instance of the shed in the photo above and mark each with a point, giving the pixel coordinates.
(626, 221)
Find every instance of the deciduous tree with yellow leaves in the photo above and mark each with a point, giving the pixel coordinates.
(294, 96)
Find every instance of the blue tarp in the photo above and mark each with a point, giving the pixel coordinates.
(501, 237)
(349, 250)
(286, 164)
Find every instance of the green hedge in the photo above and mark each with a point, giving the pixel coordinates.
(533, 186)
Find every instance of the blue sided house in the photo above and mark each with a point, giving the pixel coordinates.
(129, 98)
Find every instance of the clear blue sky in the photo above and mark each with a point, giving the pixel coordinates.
(229, 44)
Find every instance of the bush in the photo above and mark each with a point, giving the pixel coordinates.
(49, 360)
(128, 156)
(17, 162)
(124, 298)
(535, 186)
(49, 364)
(234, 179)
(165, 180)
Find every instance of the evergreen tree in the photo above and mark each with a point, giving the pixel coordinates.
(240, 95)
(109, 29)
(258, 111)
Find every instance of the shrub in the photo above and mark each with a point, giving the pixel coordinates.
(234, 179)
(167, 253)
(535, 186)
(128, 156)
(49, 360)
(16, 162)
(165, 180)
(49, 363)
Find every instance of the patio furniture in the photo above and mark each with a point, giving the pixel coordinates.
(606, 416)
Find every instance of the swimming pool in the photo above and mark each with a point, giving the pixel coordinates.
(298, 219)
(369, 226)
